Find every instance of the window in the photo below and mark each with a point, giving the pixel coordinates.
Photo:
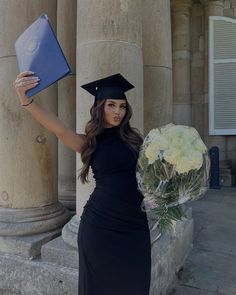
(222, 76)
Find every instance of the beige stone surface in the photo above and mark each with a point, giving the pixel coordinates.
(158, 91)
(157, 57)
(26, 246)
(197, 82)
(70, 230)
(66, 29)
(229, 12)
(233, 3)
(215, 6)
(67, 157)
(197, 117)
(216, 140)
(157, 33)
(231, 143)
(12, 25)
(181, 24)
(181, 81)
(227, 4)
(28, 152)
(182, 114)
(66, 32)
(197, 67)
(118, 20)
(181, 61)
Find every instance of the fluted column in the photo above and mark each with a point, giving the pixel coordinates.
(28, 153)
(181, 61)
(109, 36)
(212, 8)
(157, 56)
(197, 66)
(66, 32)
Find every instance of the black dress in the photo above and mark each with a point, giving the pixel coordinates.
(113, 238)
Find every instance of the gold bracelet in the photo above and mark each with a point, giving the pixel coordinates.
(25, 105)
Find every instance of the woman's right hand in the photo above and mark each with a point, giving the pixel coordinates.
(25, 81)
(49, 120)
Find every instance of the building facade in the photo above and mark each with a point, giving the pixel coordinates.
(162, 47)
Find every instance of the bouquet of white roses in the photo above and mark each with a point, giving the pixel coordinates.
(172, 168)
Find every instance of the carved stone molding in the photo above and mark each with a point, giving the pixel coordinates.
(70, 231)
(212, 2)
(30, 221)
(179, 6)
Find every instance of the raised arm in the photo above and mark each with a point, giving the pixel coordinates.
(50, 121)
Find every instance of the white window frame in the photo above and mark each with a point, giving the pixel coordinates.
(211, 63)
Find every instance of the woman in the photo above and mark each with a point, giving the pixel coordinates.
(113, 238)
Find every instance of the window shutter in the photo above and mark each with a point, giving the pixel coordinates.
(222, 75)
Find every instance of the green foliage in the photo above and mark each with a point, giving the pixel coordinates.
(166, 216)
(167, 189)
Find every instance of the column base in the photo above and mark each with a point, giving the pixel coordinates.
(70, 231)
(60, 253)
(68, 199)
(30, 221)
(26, 246)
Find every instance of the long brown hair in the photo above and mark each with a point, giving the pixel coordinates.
(95, 126)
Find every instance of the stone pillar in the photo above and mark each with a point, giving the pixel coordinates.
(28, 153)
(197, 67)
(66, 32)
(109, 36)
(212, 8)
(157, 56)
(181, 61)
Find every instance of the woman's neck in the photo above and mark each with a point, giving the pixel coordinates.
(111, 127)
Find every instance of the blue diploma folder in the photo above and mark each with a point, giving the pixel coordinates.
(38, 50)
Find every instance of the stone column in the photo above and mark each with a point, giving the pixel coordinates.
(197, 67)
(181, 61)
(66, 32)
(28, 153)
(212, 8)
(157, 56)
(109, 36)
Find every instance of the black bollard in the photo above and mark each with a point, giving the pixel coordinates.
(215, 168)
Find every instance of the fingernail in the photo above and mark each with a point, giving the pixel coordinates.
(31, 72)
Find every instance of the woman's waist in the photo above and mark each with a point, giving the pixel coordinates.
(126, 198)
(117, 182)
(114, 215)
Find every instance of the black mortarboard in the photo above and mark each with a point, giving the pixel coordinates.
(113, 87)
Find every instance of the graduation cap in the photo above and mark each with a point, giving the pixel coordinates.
(113, 87)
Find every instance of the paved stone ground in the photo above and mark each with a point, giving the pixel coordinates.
(211, 266)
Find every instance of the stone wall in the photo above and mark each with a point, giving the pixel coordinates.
(199, 83)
